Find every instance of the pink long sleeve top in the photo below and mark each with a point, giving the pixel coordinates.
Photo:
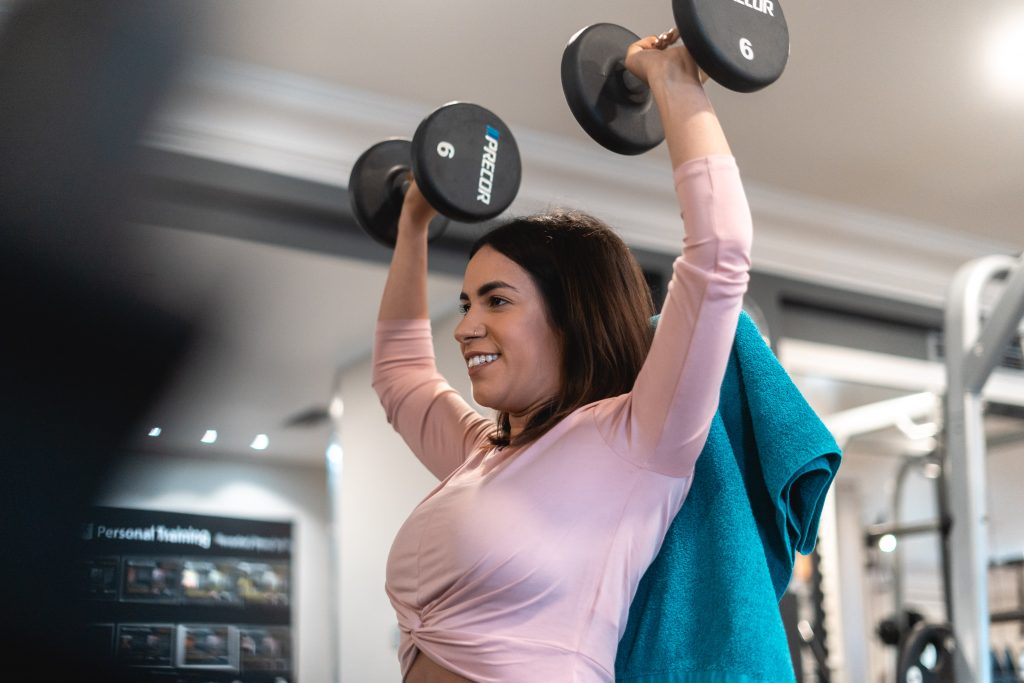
(521, 564)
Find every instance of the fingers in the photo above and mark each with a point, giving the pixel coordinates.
(660, 41)
(650, 54)
(665, 39)
(648, 43)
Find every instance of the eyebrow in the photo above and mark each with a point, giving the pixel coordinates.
(487, 288)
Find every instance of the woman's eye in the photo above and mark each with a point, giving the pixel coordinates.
(496, 301)
(464, 308)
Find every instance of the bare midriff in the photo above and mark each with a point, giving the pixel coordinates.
(426, 670)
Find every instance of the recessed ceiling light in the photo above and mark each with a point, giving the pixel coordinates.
(155, 431)
(336, 408)
(260, 443)
(210, 436)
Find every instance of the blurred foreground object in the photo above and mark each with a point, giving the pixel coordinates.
(80, 360)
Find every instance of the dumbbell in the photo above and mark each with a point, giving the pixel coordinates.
(741, 44)
(465, 162)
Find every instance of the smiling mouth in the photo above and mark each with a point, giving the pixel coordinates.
(482, 359)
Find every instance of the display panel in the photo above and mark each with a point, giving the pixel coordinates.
(211, 581)
(98, 577)
(145, 645)
(265, 648)
(207, 647)
(263, 583)
(149, 579)
(167, 594)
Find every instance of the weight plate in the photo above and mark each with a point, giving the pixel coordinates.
(593, 79)
(466, 162)
(375, 190)
(741, 44)
(927, 655)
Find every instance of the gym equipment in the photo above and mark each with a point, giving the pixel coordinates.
(976, 332)
(741, 44)
(892, 630)
(927, 655)
(612, 105)
(465, 162)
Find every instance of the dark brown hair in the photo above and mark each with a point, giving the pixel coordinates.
(597, 301)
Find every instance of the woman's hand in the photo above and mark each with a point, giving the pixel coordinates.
(416, 211)
(651, 58)
(691, 128)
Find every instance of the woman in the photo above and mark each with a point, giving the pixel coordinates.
(520, 566)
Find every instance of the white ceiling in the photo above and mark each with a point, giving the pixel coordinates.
(884, 107)
(883, 104)
(274, 325)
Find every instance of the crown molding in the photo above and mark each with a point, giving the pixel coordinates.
(289, 124)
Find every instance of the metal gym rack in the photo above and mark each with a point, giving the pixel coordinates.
(974, 347)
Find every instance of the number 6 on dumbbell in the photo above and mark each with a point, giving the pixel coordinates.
(463, 158)
(741, 44)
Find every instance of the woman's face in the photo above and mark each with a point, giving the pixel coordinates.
(511, 350)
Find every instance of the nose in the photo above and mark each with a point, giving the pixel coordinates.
(469, 328)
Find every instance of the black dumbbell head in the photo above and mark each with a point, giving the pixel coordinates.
(466, 162)
(620, 117)
(376, 189)
(889, 631)
(740, 44)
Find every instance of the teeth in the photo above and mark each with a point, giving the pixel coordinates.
(480, 360)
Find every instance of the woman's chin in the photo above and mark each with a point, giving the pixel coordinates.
(482, 400)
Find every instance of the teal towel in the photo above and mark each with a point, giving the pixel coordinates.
(707, 609)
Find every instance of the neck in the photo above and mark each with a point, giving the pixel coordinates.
(518, 421)
(516, 425)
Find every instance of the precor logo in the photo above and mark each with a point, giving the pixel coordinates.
(487, 162)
